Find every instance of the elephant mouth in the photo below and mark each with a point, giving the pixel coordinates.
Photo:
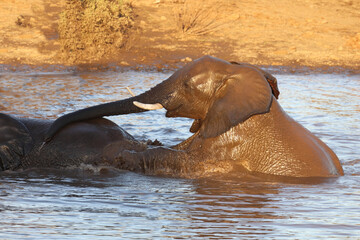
(196, 125)
(174, 112)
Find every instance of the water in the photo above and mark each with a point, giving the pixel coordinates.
(90, 203)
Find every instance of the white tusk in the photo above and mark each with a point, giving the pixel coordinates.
(132, 94)
(148, 106)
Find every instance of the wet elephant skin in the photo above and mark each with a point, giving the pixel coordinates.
(94, 142)
(239, 126)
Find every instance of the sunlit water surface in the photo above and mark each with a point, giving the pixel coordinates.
(90, 203)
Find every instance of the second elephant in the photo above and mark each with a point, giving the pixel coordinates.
(95, 142)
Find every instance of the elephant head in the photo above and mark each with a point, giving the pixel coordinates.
(240, 91)
(15, 142)
(217, 94)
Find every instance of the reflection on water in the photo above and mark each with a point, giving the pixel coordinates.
(106, 203)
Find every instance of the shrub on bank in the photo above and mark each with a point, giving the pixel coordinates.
(91, 29)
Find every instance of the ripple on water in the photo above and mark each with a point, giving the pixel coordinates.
(105, 203)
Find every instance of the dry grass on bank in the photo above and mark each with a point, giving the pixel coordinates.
(197, 18)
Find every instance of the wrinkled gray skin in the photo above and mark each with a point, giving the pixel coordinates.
(95, 142)
(239, 126)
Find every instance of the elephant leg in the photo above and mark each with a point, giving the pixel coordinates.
(15, 142)
(170, 162)
(156, 161)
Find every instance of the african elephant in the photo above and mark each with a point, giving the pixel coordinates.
(238, 126)
(95, 142)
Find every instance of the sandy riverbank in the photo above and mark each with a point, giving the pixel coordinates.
(312, 33)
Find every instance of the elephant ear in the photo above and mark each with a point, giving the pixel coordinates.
(15, 142)
(241, 96)
(270, 78)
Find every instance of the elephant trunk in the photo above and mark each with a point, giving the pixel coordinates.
(155, 95)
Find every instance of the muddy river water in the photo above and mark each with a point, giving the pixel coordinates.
(90, 203)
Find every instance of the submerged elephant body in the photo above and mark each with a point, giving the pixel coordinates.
(271, 143)
(238, 126)
(94, 142)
